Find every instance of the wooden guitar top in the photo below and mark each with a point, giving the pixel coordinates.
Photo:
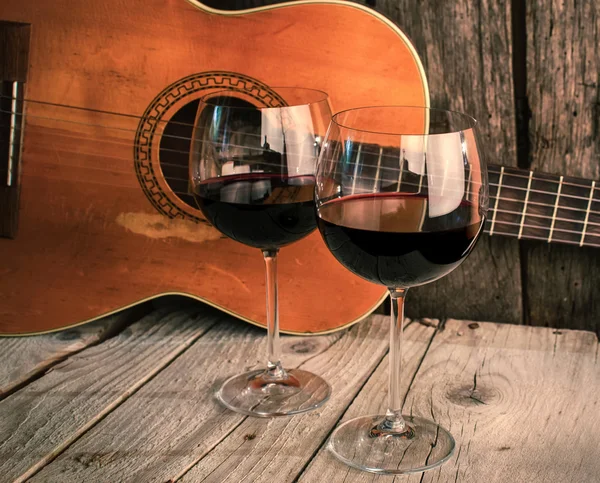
(105, 220)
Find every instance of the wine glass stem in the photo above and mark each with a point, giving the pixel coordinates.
(393, 419)
(274, 368)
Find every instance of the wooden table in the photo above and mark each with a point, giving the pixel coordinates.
(130, 398)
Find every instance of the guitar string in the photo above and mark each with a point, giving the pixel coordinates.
(119, 114)
(520, 214)
(563, 230)
(534, 237)
(126, 116)
(567, 183)
(500, 222)
(385, 168)
(525, 225)
(493, 170)
(131, 116)
(395, 170)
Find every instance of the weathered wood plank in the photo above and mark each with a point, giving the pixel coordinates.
(462, 51)
(563, 79)
(279, 449)
(174, 421)
(563, 286)
(24, 358)
(520, 401)
(539, 392)
(49, 414)
(487, 286)
(371, 400)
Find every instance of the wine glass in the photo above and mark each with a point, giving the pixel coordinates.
(252, 174)
(401, 196)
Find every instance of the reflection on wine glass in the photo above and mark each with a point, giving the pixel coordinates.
(401, 195)
(252, 175)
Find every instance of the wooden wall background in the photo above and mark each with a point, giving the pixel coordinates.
(529, 71)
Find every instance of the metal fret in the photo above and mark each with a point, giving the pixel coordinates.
(497, 199)
(12, 143)
(356, 164)
(469, 183)
(525, 205)
(378, 170)
(555, 209)
(401, 170)
(587, 214)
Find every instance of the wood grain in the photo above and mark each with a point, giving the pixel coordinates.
(563, 87)
(372, 400)
(519, 401)
(14, 39)
(94, 219)
(52, 412)
(461, 51)
(280, 449)
(25, 358)
(174, 421)
(514, 392)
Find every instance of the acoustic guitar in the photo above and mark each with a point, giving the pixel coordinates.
(96, 109)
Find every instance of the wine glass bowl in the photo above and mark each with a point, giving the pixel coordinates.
(251, 173)
(401, 197)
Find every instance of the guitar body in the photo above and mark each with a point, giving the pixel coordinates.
(104, 218)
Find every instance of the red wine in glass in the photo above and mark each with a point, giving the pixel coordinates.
(387, 239)
(401, 196)
(252, 173)
(259, 210)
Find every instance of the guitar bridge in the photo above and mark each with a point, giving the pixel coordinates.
(14, 58)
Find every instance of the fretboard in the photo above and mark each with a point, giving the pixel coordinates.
(522, 204)
(539, 206)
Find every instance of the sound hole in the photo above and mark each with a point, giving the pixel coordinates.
(175, 147)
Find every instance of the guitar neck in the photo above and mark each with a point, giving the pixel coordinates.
(540, 206)
(522, 204)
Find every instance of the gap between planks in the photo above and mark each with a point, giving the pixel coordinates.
(36, 433)
(515, 404)
(25, 359)
(368, 375)
(174, 421)
(166, 389)
(282, 448)
(244, 418)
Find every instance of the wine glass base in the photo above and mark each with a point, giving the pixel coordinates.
(360, 444)
(258, 394)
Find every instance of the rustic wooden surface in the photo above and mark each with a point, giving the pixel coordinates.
(563, 87)
(139, 406)
(518, 400)
(24, 359)
(461, 51)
